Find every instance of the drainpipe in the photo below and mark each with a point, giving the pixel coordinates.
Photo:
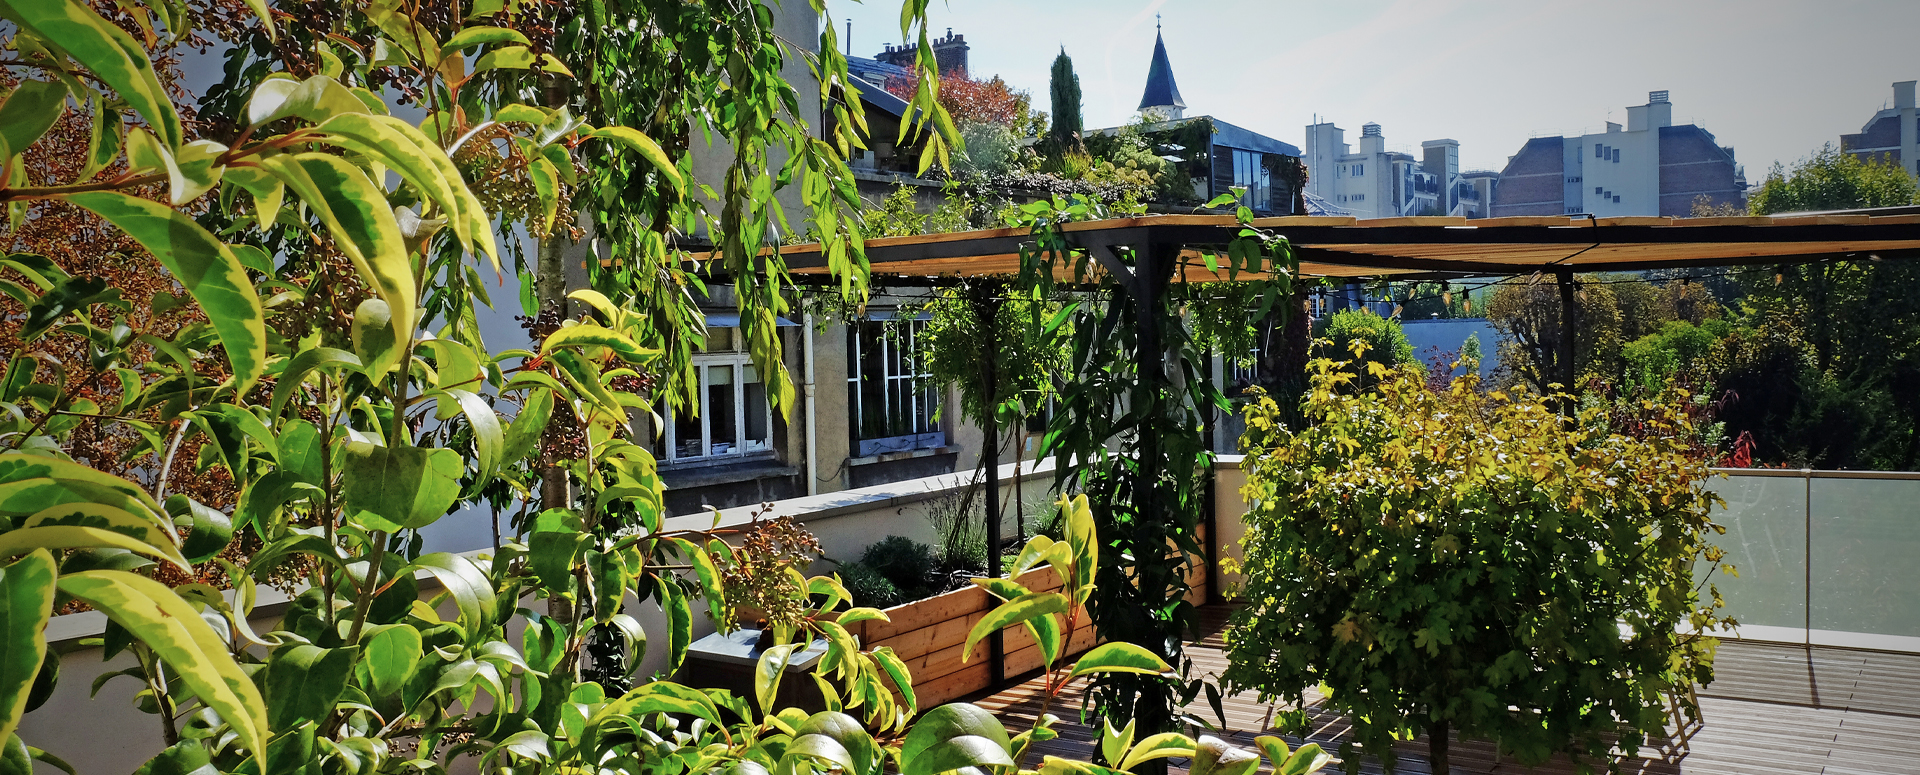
(813, 435)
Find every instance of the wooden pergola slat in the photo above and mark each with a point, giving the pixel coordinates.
(1346, 247)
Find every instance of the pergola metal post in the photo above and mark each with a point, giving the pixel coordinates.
(984, 299)
(1153, 271)
(1209, 420)
(1569, 325)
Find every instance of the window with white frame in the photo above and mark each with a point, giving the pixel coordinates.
(892, 401)
(733, 419)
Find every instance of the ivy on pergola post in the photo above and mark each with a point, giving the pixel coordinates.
(1138, 380)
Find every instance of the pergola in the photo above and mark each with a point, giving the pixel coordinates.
(1171, 248)
(1350, 248)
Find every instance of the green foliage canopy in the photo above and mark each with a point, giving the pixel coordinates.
(1434, 559)
(1832, 179)
(1386, 342)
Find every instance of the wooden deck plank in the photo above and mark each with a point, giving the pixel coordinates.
(1772, 710)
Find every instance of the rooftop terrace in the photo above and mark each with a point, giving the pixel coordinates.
(1772, 709)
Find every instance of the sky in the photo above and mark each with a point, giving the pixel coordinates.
(1773, 79)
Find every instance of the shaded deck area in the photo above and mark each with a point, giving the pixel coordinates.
(1771, 710)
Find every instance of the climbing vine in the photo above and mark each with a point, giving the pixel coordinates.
(1133, 410)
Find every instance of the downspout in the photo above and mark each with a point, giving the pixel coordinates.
(813, 435)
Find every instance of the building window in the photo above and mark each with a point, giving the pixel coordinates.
(1616, 200)
(1359, 170)
(1596, 190)
(1616, 156)
(1250, 174)
(1599, 151)
(891, 401)
(733, 419)
(1359, 197)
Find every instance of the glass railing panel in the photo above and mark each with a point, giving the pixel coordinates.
(1866, 542)
(1766, 541)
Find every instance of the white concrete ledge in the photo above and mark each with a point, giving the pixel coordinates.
(862, 499)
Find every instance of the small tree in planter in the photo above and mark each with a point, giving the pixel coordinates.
(1462, 562)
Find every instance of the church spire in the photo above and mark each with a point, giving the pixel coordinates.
(1162, 95)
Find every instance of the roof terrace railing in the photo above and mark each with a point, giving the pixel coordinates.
(1825, 557)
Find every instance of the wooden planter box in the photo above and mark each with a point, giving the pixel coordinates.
(930, 634)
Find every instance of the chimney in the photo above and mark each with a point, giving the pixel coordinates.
(1903, 95)
(1659, 110)
(1371, 139)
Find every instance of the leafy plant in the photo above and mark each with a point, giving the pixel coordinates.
(1465, 562)
(1052, 617)
(764, 571)
(340, 384)
(868, 587)
(898, 215)
(1385, 341)
(1470, 351)
(905, 562)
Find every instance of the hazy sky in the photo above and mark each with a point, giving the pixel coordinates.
(1773, 79)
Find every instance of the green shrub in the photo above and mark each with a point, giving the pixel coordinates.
(1436, 558)
(1678, 346)
(905, 562)
(868, 587)
(1386, 343)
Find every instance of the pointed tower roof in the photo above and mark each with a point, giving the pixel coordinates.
(1161, 90)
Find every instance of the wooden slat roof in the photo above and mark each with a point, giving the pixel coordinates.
(1345, 247)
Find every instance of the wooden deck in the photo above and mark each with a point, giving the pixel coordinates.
(1773, 710)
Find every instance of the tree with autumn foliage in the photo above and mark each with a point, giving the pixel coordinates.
(974, 101)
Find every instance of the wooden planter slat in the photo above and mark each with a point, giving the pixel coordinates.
(946, 661)
(921, 614)
(926, 640)
(1029, 659)
(975, 677)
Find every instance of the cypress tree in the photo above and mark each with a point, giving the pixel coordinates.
(1065, 89)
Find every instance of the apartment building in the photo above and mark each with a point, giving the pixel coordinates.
(1650, 166)
(1375, 182)
(1892, 135)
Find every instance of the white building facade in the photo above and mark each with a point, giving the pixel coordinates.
(1374, 182)
(1648, 167)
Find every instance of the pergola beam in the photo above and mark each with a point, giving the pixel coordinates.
(1401, 249)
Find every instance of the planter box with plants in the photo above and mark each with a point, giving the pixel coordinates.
(932, 602)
